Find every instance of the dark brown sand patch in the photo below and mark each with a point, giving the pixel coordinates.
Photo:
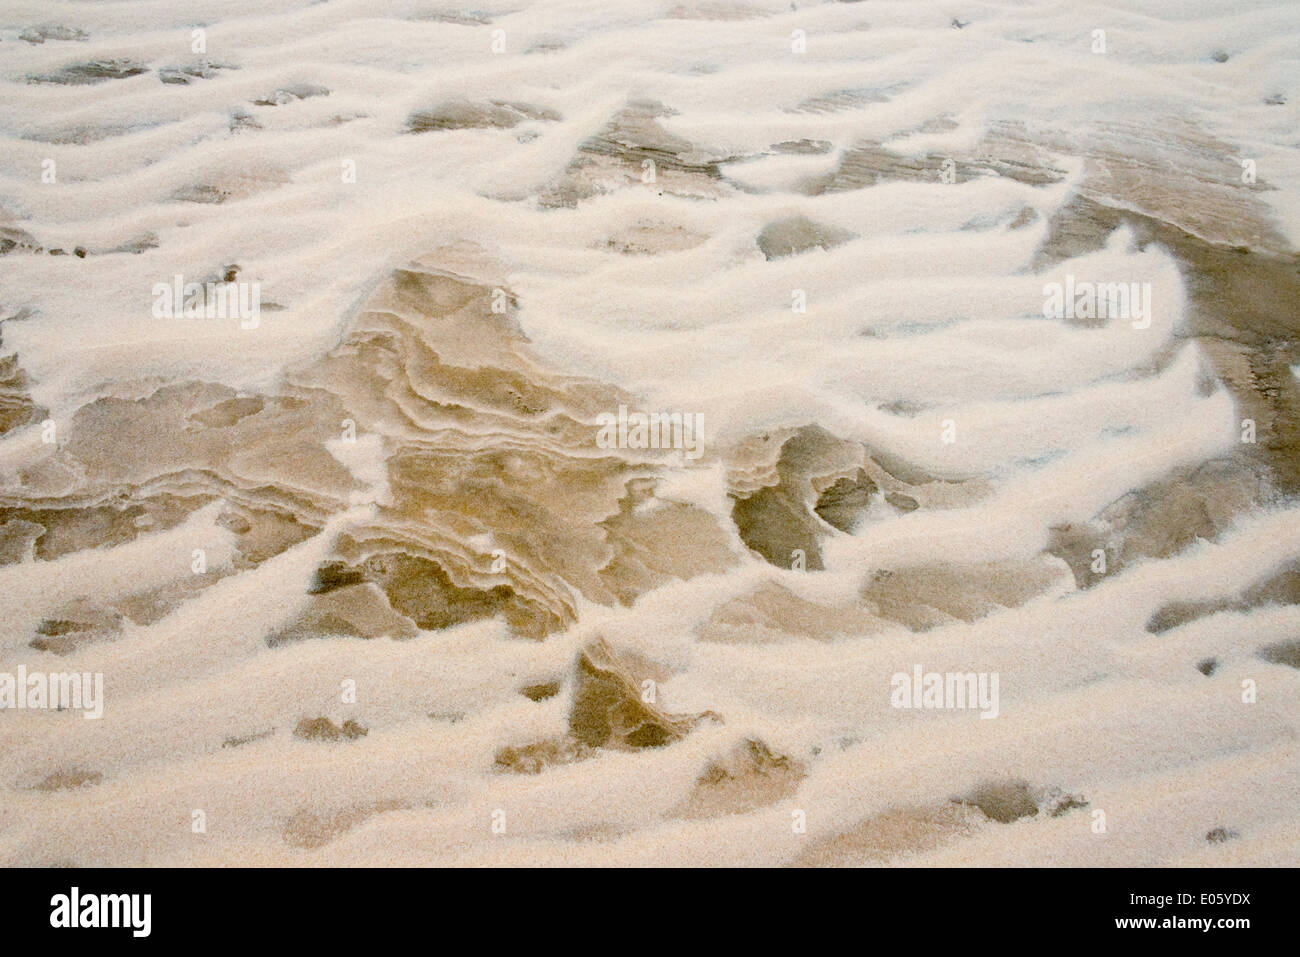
(892, 834)
(467, 115)
(748, 777)
(323, 729)
(612, 708)
(310, 829)
(92, 71)
(634, 149)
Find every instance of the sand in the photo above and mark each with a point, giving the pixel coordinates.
(363, 584)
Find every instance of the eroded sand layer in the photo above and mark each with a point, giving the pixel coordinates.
(366, 585)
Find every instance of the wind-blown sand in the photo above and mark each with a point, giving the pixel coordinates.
(366, 587)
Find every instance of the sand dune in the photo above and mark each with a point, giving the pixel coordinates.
(310, 321)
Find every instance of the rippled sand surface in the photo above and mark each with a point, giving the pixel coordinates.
(365, 582)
